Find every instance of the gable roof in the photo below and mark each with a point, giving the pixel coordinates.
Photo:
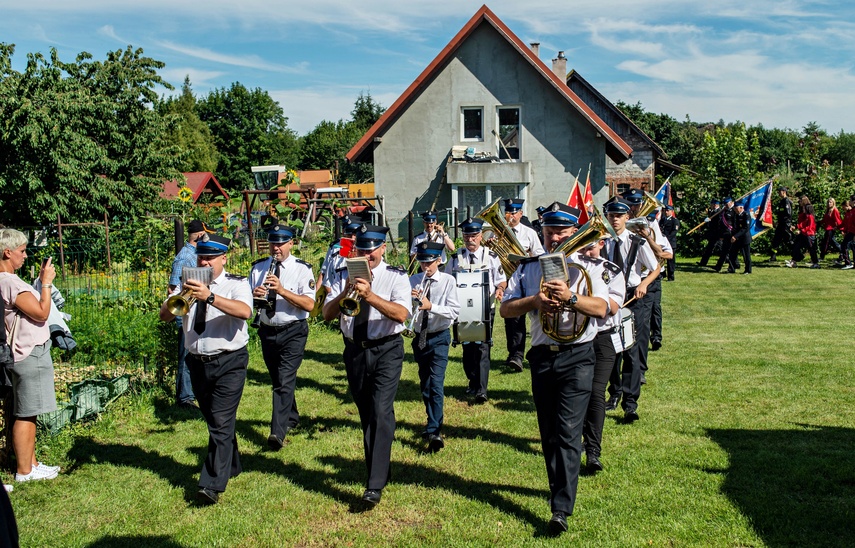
(574, 77)
(616, 148)
(198, 181)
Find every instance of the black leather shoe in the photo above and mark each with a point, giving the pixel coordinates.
(558, 523)
(515, 363)
(207, 496)
(655, 345)
(643, 379)
(481, 398)
(371, 497)
(435, 443)
(630, 416)
(189, 404)
(425, 435)
(612, 403)
(274, 443)
(471, 391)
(594, 464)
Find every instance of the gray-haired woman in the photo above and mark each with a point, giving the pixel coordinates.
(26, 317)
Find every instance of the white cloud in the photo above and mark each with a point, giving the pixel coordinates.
(306, 108)
(246, 61)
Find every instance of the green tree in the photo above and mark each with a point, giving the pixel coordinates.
(249, 129)
(365, 112)
(81, 139)
(189, 133)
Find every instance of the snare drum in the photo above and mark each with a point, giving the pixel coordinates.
(627, 328)
(473, 291)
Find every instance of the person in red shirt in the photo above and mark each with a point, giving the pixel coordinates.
(806, 234)
(848, 233)
(831, 221)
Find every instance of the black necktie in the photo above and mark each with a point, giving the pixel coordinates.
(618, 256)
(423, 330)
(360, 324)
(199, 318)
(271, 295)
(471, 258)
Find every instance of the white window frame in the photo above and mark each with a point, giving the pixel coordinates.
(522, 192)
(463, 138)
(519, 131)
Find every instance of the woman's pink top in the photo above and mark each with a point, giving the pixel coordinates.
(30, 333)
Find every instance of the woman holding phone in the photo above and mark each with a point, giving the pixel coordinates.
(26, 317)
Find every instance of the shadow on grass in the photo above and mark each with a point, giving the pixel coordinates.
(796, 486)
(155, 541)
(452, 433)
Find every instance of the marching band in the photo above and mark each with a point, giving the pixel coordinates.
(587, 295)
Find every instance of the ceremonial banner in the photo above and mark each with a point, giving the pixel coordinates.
(758, 203)
(588, 198)
(664, 193)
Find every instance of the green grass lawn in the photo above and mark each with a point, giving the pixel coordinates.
(746, 438)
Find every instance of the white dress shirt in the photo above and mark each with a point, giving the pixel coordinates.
(529, 240)
(445, 306)
(423, 237)
(294, 275)
(645, 260)
(481, 259)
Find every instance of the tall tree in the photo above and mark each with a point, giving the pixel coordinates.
(249, 129)
(189, 133)
(81, 139)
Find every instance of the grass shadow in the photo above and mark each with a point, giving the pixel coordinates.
(796, 486)
(153, 541)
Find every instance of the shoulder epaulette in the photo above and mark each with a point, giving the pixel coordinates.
(398, 269)
(301, 261)
(255, 262)
(235, 277)
(455, 255)
(611, 267)
(494, 254)
(340, 270)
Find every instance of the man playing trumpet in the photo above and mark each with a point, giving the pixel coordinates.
(216, 335)
(432, 233)
(438, 307)
(286, 285)
(373, 349)
(561, 374)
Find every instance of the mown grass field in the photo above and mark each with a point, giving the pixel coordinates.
(746, 438)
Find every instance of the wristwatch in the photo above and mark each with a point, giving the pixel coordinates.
(573, 299)
(210, 299)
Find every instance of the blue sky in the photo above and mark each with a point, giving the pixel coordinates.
(781, 63)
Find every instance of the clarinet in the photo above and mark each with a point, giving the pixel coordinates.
(262, 303)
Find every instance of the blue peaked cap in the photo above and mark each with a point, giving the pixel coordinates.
(279, 234)
(558, 214)
(471, 226)
(427, 252)
(370, 237)
(212, 245)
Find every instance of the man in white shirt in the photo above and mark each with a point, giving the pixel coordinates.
(373, 349)
(285, 287)
(432, 233)
(438, 308)
(216, 335)
(515, 328)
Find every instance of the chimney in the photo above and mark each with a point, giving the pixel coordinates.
(535, 48)
(559, 66)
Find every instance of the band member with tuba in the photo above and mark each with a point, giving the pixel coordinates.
(561, 372)
(515, 329)
(640, 267)
(373, 350)
(436, 306)
(473, 256)
(216, 335)
(286, 287)
(432, 233)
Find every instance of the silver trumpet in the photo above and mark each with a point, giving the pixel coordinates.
(262, 303)
(638, 224)
(417, 302)
(179, 305)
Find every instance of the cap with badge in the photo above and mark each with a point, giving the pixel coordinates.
(560, 215)
(429, 216)
(715, 201)
(370, 237)
(349, 225)
(512, 205)
(739, 203)
(728, 200)
(617, 205)
(540, 210)
(212, 245)
(280, 234)
(633, 196)
(669, 208)
(427, 252)
(197, 226)
(471, 226)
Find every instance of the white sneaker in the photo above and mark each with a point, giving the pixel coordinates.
(8, 488)
(45, 468)
(789, 264)
(36, 474)
(848, 267)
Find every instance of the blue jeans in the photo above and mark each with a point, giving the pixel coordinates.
(433, 361)
(183, 388)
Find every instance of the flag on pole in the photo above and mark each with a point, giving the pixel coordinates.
(664, 193)
(575, 198)
(758, 203)
(588, 198)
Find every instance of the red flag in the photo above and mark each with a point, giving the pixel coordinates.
(575, 197)
(588, 199)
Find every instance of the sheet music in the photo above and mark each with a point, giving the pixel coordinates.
(357, 267)
(554, 266)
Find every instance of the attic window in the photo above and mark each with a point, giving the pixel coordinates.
(473, 123)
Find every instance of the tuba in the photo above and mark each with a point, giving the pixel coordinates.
(649, 205)
(591, 232)
(179, 305)
(505, 243)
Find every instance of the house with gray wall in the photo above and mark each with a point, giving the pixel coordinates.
(486, 119)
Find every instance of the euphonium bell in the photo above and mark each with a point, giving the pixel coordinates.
(505, 245)
(637, 224)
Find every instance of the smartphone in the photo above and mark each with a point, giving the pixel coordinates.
(45, 262)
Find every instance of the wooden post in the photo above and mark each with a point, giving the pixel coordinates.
(249, 222)
(456, 222)
(61, 250)
(107, 236)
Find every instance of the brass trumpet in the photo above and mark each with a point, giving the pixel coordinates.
(349, 304)
(591, 232)
(408, 331)
(179, 305)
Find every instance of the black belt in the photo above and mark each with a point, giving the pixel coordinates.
(373, 342)
(555, 347)
(609, 331)
(282, 327)
(209, 358)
